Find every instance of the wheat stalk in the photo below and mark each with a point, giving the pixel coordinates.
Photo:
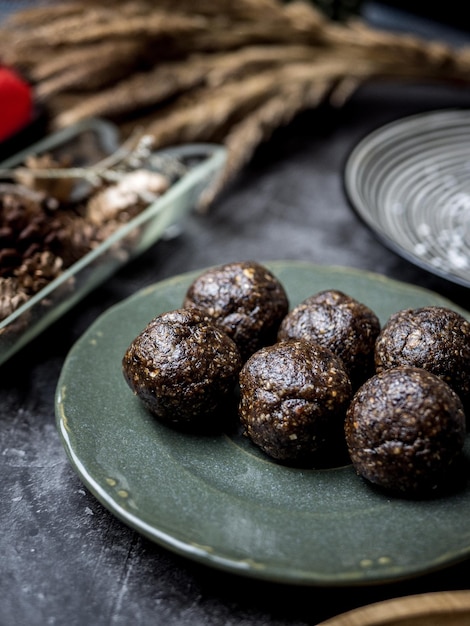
(92, 74)
(215, 70)
(206, 110)
(169, 79)
(111, 26)
(31, 17)
(258, 126)
(75, 57)
(140, 90)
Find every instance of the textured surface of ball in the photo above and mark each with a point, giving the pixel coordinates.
(293, 400)
(434, 338)
(404, 430)
(245, 299)
(183, 368)
(338, 322)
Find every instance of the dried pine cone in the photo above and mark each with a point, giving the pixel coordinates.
(38, 271)
(33, 240)
(77, 236)
(11, 296)
(41, 235)
(27, 226)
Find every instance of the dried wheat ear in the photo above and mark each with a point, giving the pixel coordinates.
(215, 70)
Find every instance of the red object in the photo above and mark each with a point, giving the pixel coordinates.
(16, 103)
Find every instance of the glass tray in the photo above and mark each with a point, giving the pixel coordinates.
(93, 140)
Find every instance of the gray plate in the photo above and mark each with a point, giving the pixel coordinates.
(220, 501)
(409, 181)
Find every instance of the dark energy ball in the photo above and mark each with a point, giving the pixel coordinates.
(434, 338)
(182, 367)
(293, 400)
(405, 428)
(245, 299)
(342, 324)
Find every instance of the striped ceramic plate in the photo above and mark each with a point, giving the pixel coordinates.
(409, 181)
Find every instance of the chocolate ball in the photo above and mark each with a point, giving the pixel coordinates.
(293, 400)
(183, 368)
(434, 338)
(405, 429)
(245, 299)
(338, 322)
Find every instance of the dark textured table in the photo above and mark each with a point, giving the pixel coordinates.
(64, 558)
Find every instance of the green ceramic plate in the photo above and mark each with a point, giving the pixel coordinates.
(216, 499)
